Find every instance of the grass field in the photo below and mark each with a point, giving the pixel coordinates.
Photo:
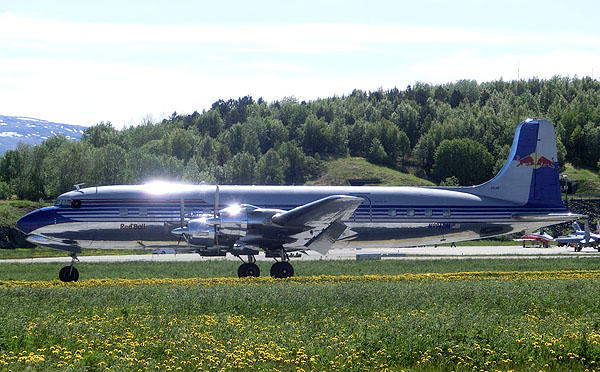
(462, 315)
(12, 210)
(50, 252)
(339, 171)
(589, 181)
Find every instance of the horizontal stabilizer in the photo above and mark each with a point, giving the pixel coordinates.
(558, 217)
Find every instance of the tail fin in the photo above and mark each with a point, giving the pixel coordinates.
(576, 226)
(530, 175)
(586, 234)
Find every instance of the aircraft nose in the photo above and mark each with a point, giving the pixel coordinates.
(36, 219)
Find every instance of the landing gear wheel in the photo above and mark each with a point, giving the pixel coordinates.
(248, 269)
(281, 270)
(68, 274)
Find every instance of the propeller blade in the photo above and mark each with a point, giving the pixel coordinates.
(181, 211)
(216, 209)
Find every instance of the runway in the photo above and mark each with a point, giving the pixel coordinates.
(418, 253)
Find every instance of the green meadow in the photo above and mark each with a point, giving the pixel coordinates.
(461, 315)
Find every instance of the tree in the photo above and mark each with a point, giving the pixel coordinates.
(108, 165)
(180, 143)
(66, 166)
(377, 153)
(318, 135)
(450, 181)
(467, 160)
(269, 170)
(295, 161)
(239, 170)
(100, 134)
(210, 123)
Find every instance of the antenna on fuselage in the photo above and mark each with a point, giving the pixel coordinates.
(78, 186)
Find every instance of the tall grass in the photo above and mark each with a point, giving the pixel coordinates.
(225, 268)
(437, 322)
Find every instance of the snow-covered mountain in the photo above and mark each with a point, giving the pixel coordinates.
(32, 131)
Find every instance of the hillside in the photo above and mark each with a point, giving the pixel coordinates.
(32, 131)
(247, 141)
(10, 212)
(589, 180)
(338, 172)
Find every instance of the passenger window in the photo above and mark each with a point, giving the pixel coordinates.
(76, 204)
(123, 212)
(446, 212)
(143, 212)
(428, 212)
(410, 213)
(392, 212)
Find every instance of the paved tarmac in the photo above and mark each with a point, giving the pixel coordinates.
(418, 253)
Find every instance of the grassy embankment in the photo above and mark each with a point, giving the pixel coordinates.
(589, 180)
(12, 210)
(339, 171)
(489, 318)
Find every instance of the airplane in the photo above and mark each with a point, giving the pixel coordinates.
(214, 220)
(542, 238)
(581, 238)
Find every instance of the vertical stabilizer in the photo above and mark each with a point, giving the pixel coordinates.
(530, 175)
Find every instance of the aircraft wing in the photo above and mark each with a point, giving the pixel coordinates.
(62, 245)
(320, 221)
(320, 212)
(574, 240)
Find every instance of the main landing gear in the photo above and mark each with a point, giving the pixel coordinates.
(280, 269)
(248, 268)
(69, 273)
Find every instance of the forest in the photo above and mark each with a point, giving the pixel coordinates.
(456, 133)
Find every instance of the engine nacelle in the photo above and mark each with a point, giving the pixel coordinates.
(201, 232)
(206, 231)
(233, 221)
(230, 226)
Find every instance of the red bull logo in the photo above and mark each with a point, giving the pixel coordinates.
(535, 160)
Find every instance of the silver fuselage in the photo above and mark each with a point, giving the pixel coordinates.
(144, 216)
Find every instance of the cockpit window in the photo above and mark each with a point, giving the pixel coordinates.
(63, 202)
(73, 203)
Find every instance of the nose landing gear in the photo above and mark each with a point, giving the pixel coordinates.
(69, 273)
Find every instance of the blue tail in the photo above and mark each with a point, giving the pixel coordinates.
(530, 175)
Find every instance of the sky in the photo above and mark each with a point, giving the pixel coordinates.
(83, 62)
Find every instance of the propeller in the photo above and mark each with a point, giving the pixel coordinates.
(216, 214)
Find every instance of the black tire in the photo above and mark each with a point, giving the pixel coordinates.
(68, 274)
(281, 270)
(248, 269)
(61, 274)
